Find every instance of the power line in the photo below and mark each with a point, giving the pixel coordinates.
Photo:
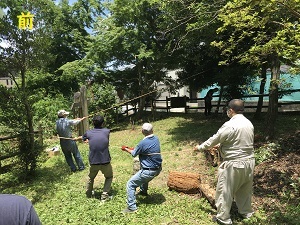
(114, 106)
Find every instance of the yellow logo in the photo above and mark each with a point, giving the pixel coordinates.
(26, 21)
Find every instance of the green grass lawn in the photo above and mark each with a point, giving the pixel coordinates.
(59, 195)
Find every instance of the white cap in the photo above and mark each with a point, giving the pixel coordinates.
(147, 127)
(62, 112)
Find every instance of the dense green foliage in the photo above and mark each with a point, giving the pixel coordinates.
(32, 59)
(102, 101)
(46, 113)
(262, 33)
(130, 45)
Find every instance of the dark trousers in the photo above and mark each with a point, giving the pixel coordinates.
(208, 107)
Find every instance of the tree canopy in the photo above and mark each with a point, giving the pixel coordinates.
(261, 32)
(131, 45)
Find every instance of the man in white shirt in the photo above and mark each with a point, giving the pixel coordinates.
(235, 174)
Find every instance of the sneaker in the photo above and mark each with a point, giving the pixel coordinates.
(142, 193)
(215, 220)
(105, 197)
(247, 215)
(129, 211)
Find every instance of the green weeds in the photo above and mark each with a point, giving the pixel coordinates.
(59, 195)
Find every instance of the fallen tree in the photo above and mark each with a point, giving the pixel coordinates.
(190, 183)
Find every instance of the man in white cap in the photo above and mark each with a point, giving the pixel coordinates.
(68, 146)
(148, 151)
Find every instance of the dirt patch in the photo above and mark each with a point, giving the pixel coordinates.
(276, 181)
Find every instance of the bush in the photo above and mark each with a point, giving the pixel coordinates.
(102, 99)
(46, 113)
(29, 156)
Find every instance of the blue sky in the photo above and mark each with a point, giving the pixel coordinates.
(70, 1)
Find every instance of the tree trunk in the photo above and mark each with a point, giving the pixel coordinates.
(31, 161)
(190, 183)
(260, 102)
(143, 82)
(220, 99)
(30, 158)
(273, 98)
(139, 71)
(84, 125)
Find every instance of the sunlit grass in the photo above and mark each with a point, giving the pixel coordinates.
(59, 195)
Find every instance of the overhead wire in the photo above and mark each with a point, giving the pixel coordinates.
(130, 100)
(112, 107)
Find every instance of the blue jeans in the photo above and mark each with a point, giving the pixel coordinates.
(140, 179)
(69, 148)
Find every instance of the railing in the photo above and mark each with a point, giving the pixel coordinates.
(196, 104)
(38, 133)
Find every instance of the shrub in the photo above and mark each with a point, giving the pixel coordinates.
(266, 152)
(102, 99)
(45, 112)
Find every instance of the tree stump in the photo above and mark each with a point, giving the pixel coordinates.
(184, 182)
(190, 183)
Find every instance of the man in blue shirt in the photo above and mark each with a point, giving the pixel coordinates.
(150, 158)
(68, 145)
(15, 209)
(99, 156)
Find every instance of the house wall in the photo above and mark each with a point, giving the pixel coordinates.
(292, 80)
(7, 82)
(184, 91)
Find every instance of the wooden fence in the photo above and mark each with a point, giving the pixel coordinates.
(13, 153)
(189, 105)
(197, 105)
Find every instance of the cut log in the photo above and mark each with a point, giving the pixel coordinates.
(208, 193)
(184, 182)
(190, 183)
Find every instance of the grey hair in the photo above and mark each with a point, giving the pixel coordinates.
(237, 105)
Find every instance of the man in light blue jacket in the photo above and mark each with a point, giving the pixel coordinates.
(68, 145)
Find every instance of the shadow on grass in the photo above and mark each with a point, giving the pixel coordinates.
(98, 193)
(6, 168)
(153, 199)
(196, 128)
(46, 181)
(43, 182)
(291, 217)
